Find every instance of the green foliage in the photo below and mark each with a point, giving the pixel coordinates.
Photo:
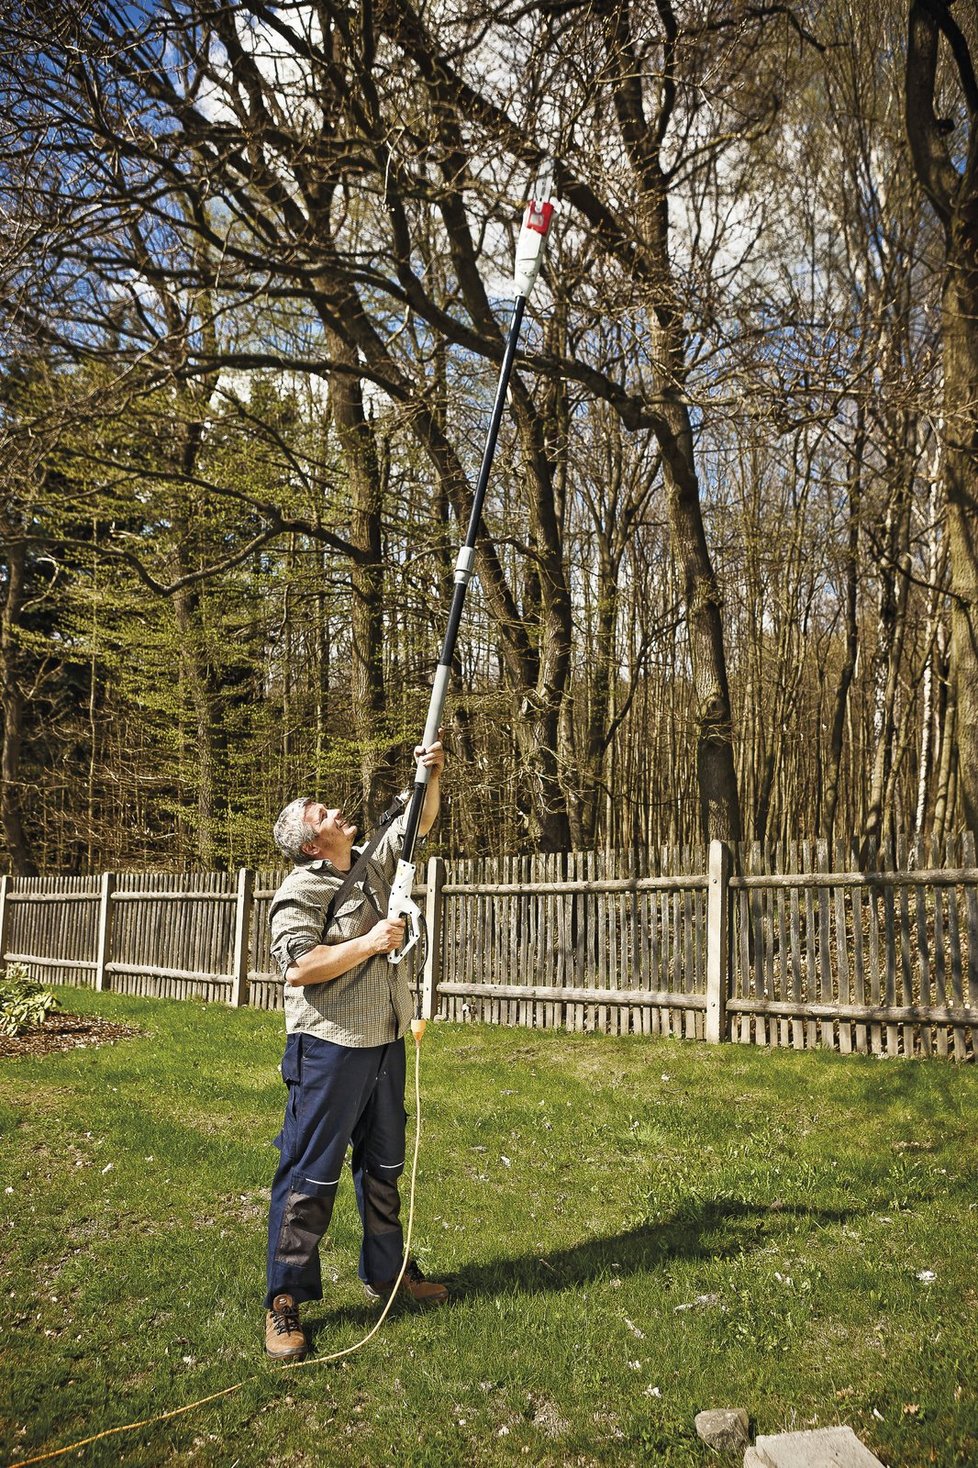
(24, 1004)
(188, 715)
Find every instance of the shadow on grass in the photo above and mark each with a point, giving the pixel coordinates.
(717, 1228)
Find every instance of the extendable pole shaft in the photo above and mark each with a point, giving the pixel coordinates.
(529, 254)
(463, 572)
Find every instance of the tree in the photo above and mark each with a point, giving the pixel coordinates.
(942, 125)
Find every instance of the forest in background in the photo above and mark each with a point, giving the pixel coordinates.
(253, 290)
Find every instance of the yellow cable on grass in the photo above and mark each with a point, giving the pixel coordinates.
(417, 1029)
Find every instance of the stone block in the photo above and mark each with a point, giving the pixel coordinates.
(724, 1428)
(823, 1447)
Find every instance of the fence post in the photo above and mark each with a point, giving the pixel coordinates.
(718, 942)
(434, 881)
(103, 943)
(5, 910)
(242, 937)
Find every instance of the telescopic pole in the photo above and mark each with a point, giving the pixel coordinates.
(529, 256)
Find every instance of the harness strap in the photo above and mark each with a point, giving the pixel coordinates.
(358, 868)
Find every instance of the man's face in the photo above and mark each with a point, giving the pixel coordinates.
(334, 834)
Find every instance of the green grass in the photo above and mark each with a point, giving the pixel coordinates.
(634, 1229)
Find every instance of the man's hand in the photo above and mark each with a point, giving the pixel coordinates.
(432, 758)
(386, 935)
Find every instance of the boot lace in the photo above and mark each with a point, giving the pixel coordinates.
(286, 1320)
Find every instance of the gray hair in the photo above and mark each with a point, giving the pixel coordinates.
(292, 830)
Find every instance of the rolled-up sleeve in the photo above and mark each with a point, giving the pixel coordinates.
(296, 927)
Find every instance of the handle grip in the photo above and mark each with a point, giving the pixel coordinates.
(402, 905)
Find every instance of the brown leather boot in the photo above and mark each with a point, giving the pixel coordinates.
(413, 1285)
(285, 1340)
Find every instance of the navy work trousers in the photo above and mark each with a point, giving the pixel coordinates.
(337, 1095)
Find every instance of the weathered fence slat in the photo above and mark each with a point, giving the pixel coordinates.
(769, 924)
(906, 966)
(88, 964)
(797, 1034)
(244, 901)
(677, 960)
(6, 909)
(823, 961)
(892, 1040)
(718, 927)
(876, 1013)
(661, 999)
(783, 1026)
(971, 900)
(652, 900)
(957, 970)
(185, 975)
(104, 937)
(940, 989)
(842, 964)
(811, 975)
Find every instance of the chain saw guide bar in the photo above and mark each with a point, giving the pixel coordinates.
(529, 257)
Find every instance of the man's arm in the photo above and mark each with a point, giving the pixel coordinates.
(328, 961)
(331, 960)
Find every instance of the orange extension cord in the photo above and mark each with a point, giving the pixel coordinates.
(417, 1029)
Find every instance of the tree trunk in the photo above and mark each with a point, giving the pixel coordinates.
(716, 772)
(951, 183)
(892, 631)
(960, 315)
(848, 670)
(18, 847)
(604, 673)
(944, 783)
(208, 762)
(539, 729)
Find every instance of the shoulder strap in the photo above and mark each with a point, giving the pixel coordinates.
(357, 869)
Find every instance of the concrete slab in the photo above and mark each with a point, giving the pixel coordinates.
(823, 1447)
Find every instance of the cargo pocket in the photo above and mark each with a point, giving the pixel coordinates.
(291, 1066)
(291, 1071)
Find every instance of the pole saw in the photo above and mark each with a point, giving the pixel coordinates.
(529, 257)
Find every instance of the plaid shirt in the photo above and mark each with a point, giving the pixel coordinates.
(369, 1005)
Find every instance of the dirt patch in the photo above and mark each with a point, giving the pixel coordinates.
(66, 1032)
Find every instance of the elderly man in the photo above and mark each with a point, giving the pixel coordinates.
(347, 1009)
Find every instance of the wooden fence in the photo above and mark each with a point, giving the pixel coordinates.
(797, 948)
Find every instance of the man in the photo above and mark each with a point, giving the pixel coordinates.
(347, 1009)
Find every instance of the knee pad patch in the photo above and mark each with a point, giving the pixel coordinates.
(381, 1204)
(305, 1220)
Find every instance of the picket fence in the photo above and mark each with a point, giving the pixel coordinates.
(794, 948)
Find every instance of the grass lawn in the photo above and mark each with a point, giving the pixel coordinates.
(635, 1230)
